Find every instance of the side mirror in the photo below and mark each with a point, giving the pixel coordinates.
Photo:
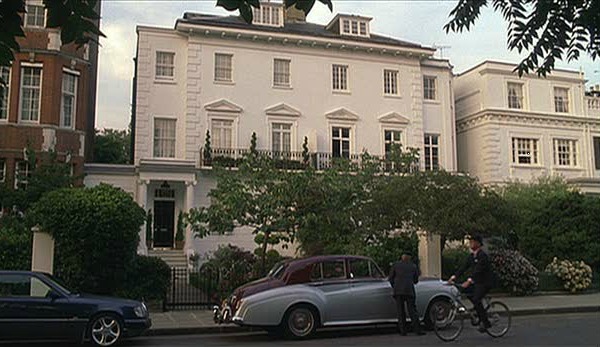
(53, 295)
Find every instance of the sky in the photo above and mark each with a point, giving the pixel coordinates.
(417, 21)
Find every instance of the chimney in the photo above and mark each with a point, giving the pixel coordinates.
(294, 15)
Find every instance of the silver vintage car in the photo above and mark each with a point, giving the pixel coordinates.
(299, 296)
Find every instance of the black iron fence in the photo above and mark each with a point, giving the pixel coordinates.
(232, 158)
(192, 289)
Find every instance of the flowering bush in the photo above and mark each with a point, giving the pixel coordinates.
(575, 275)
(515, 273)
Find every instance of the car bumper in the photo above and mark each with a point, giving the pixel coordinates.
(136, 327)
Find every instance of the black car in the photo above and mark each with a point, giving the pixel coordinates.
(34, 305)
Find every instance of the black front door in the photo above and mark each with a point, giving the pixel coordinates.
(164, 221)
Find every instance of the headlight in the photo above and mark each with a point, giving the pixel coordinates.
(141, 311)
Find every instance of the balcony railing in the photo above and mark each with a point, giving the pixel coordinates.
(232, 158)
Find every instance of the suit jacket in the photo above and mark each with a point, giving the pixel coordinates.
(483, 274)
(403, 277)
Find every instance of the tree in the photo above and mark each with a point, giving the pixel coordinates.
(77, 20)
(112, 146)
(548, 30)
(245, 6)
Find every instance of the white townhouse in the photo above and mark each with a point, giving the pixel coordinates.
(511, 128)
(339, 86)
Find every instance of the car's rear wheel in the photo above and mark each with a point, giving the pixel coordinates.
(437, 311)
(300, 322)
(106, 330)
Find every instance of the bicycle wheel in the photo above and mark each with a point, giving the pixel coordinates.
(448, 321)
(499, 316)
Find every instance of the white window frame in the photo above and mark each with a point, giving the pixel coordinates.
(8, 90)
(156, 66)
(352, 136)
(523, 95)
(435, 88)
(169, 118)
(3, 170)
(429, 160)
(76, 75)
(28, 172)
(234, 129)
(535, 151)
(394, 82)
(568, 102)
(350, 24)
(26, 17)
(231, 70)
(292, 124)
(41, 89)
(340, 67)
(573, 153)
(273, 11)
(384, 142)
(289, 73)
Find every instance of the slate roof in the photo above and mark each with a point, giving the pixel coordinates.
(297, 28)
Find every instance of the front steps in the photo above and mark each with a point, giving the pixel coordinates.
(175, 258)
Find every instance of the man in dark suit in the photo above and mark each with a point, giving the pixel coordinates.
(481, 280)
(403, 277)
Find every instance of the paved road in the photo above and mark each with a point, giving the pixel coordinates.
(552, 330)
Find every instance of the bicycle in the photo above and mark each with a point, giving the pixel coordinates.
(449, 325)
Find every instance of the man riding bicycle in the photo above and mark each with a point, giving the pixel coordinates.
(481, 280)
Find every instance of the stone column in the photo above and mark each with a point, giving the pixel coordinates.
(42, 251)
(430, 255)
(142, 200)
(189, 203)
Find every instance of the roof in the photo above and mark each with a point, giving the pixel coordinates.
(298, 28)
(508, 65)
(295, 263)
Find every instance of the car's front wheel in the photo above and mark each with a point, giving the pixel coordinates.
(106, 330)
(300, 322)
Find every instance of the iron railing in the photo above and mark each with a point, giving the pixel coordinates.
(232, 158)
(192, 289)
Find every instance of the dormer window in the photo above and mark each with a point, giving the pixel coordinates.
(270, 14)
(354, 27)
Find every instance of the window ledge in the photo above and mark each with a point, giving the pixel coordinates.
(225, 83)
(527, 166)
(392, 96)
(165, 81)
(283, 87)
(429, 101)
(341, 92)
(567, 168)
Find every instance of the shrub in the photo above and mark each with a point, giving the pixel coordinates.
(515, 273)
(549, 282)
(273, 257)
(387, 251)
(15, 246)
(453, 259)
(148, 279)
(576, 275)
(96, 233)
(226, 269)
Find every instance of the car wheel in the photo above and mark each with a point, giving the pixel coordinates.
(106, 330)
(437, 311)
(300, 322)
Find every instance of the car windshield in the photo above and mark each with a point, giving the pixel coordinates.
(277, 270)
(58, 284)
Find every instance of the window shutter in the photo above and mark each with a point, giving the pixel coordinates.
(597, 152)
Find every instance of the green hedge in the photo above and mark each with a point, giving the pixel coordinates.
(452, 260)
(148, 278)
(15, 247)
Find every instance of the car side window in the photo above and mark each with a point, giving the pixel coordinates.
(359, 268)
(334, 270)
(316, 273)
(375, 270)
(23, 286)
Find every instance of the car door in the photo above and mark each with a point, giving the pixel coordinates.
(31, 309)
(331, 279)
(372, 299)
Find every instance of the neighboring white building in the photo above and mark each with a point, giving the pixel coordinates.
(341, 86)
(511, 128)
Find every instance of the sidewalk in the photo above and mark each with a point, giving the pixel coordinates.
(200, 322)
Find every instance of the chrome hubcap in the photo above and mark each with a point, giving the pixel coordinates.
(106, 331)
(301, 322)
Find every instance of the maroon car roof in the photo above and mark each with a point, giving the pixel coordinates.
(295, 264)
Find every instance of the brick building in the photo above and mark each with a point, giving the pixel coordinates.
(48, 100)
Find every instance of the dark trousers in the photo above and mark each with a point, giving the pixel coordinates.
(476, 293)
(409, 301)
